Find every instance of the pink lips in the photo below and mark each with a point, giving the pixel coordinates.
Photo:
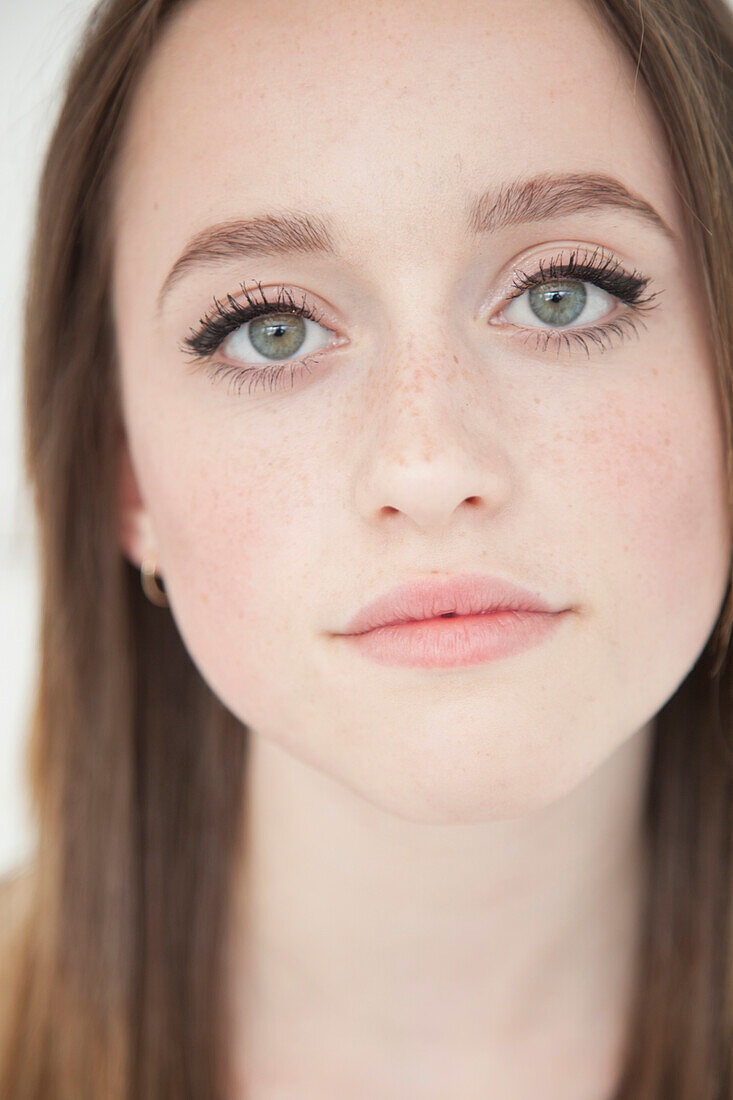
(486, 618)
(469, 594)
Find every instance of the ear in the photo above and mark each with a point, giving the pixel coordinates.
(134, 528)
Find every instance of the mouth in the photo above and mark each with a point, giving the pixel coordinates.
(449, 639)
(465, 596)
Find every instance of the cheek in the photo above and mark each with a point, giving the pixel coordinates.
(668, 481)
(232, 526)
(657, 506)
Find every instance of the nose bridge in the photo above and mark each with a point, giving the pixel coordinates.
(427, 450)
(425, 447)
(419, 349)
(423, 378)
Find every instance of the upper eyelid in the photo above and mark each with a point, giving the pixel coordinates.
(292, 303)
(597, 265)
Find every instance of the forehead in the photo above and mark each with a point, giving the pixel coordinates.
(384, 116)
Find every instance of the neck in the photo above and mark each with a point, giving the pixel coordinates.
(390, 949)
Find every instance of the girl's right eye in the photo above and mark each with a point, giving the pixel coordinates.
(269, 328)
(274, 336)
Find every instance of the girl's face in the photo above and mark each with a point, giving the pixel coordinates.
(416, 423)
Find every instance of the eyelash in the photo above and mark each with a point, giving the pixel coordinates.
(598, 268)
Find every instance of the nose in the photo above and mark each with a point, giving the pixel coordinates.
(432, 445)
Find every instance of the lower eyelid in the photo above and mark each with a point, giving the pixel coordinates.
(599, 337)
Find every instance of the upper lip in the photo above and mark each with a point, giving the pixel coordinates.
(468, 594)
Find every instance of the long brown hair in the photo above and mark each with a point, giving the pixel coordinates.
(136, 770)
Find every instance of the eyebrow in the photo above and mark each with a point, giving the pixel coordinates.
(517, 202)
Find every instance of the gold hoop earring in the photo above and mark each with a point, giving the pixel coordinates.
(149, 581)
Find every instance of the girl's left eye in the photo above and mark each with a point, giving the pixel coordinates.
(559, 302)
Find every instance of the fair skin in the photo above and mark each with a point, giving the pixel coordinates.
(444, 872)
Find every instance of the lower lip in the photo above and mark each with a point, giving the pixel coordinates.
(455, 641)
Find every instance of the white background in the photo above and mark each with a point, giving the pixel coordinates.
(37, 39)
